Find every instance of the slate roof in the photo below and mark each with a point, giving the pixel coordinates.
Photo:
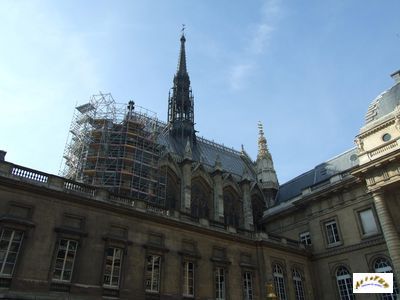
(206, 152)
(384, 104)
(318, 176)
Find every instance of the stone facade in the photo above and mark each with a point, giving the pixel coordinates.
(48, 209)
(224, 229)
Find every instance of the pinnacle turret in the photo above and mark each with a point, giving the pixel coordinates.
(262, 143)
(266, 174)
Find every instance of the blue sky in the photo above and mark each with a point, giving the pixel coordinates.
(306, 69)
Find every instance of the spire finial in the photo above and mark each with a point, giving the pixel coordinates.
(182, 54)
(262, 141)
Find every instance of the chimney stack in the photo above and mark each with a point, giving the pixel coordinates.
(2, 155)
(396, 76)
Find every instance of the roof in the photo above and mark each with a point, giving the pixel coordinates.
(318, 176)
(384, 104)
(206, 152)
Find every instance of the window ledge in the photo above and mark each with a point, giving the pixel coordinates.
(116, 239)
(370, 235)
(71, 231)
(333, 245)
(189, 254)
(155, 248)
(220, 260)
(17, 221)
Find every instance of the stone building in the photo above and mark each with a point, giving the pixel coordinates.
(149, 210)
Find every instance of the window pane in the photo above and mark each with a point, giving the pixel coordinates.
(332, 232)
(188, 278)
(152, 276)
(112, 270)
(345, 284)
(247, 286)
(10, 243)
(64, 262)
(305, 238)
(7, 269)
(368, 222)
(279, 282)
(220, 284)
(298, 285)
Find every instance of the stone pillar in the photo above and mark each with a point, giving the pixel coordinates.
(218, 197)
(247, 209)
(389, 232)
(186, 186)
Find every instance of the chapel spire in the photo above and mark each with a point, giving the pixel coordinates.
(180, 104)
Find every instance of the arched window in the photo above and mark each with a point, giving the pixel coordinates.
(345, 284)
(257, 205)
(172, 197)
(279, 282)
(298, 285)
(382, 265)
(232, 207)
(200, 198)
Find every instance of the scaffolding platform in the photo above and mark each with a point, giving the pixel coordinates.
(114, 146)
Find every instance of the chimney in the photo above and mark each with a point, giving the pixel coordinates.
(396, 76)
(2, 155)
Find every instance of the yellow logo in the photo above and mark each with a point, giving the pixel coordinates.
(372, 283)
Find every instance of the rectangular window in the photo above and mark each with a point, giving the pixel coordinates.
(368, 222)
(152, 278)
(332, 232)
(305, 238)
(65, 258)
(112, 270)
(188, 279)
(10, 243)
(247, 286)
(219, 283)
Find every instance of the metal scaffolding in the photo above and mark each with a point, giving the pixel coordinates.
(115, 146)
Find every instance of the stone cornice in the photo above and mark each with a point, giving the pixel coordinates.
(340, 250)
(374, 129)
(360, 170)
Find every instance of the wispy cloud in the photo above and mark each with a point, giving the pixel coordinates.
(238, 75)
(259, 40)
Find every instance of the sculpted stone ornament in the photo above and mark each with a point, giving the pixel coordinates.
(270, 291)
(188, 150)
(360, 144)
(397, 117)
